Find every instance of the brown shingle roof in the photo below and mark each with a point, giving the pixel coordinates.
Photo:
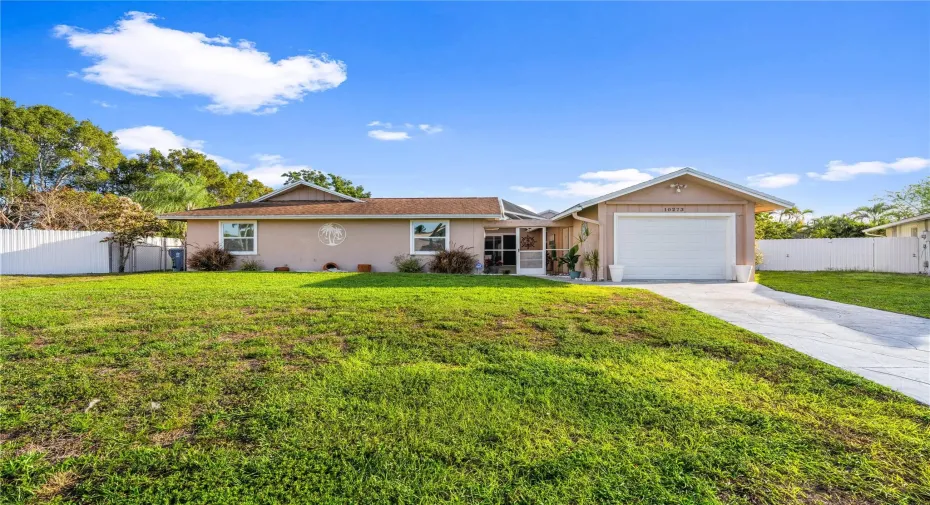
(374, 207)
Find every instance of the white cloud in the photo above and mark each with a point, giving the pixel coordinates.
(527, 207)
(770, 180)
(592, 184)
(103, 104)
(840, 171)
(386, 135)
(270, 167)
(381, 124)
(430, 129)
(142, 138)
(632, 175)
(139, 57)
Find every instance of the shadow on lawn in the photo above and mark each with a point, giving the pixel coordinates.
(394, 280)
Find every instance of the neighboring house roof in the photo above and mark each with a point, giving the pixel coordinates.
(293, 185)
(896, 223)
(756, 195)
(548, 213)
(514, 211)
(371, 208)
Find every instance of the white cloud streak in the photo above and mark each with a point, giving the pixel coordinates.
(389, 136)
(142, 58)
(771, 181)
(840, 171)
(592, 184)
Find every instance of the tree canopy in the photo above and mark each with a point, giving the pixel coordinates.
(329, 181)
(48, 158)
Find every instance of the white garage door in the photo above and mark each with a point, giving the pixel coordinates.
(672, 247)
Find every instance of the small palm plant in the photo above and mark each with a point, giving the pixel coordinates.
(592, 258)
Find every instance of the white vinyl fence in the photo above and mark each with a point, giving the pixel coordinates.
(57, 252)
(904, 255)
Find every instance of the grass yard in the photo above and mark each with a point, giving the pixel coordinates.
(901, 293)
(274, 388)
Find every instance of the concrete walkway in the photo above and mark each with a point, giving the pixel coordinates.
(888, 348)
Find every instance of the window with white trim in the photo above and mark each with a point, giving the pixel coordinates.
(239, 237)
(428, 237)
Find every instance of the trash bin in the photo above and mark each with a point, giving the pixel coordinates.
(177, 259)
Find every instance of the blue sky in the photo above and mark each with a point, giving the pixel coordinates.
(542, 104)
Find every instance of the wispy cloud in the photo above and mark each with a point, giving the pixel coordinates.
(269, 167)
(386, 135)
(840, 171)
(664, 170)
(142, 138)
(387, 131)
(430, 129)
(140, 57)
(103, 104)
(594, 184)
(771, 181)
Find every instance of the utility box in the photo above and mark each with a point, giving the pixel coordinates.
(177, 259)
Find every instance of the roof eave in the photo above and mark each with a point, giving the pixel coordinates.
(169, 217)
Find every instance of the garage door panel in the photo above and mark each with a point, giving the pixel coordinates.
(672, 247)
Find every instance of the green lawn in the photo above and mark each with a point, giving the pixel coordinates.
(388, 388)
(905, 294)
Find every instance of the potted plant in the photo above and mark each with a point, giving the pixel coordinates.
(616, 272)
(570, 259)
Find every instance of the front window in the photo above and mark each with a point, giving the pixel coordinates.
(428, 237)
(238, 237)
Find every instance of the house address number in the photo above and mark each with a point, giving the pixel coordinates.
(674, 209)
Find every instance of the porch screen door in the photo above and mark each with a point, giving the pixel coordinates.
(531, 261)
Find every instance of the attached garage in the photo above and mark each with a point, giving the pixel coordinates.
(654, 246)
(685, 225)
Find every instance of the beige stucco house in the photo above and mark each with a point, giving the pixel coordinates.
(910, 227)
(683, 225)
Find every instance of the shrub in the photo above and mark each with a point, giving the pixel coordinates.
(760, 258)
(457, 260)
(211, 259)
(251, 265)
(407, 264)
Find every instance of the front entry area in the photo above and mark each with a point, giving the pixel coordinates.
(666, 247)
(515, 251)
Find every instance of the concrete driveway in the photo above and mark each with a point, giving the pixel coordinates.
(891, 349)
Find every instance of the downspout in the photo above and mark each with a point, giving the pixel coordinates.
(585, 219)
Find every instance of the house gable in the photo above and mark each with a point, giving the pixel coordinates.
(305, 191)
(762, 202)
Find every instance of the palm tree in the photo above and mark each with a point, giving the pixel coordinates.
(170, 192)
(872, 214)
(794, 215)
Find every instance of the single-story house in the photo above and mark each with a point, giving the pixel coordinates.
(683, 225)
(910, 227)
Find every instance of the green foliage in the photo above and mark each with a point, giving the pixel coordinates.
(171, 192)
(140, 173)
(592, 258)
(211, 259)
(128, 223)
(325, 180)
(455, 260)
(251, 265)
(47, 149)
(389, 388)
(877, 214)
(758, 256)
(405, 263)
(836, 227)
(911, 201)
(570, 258)
(902, 293)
